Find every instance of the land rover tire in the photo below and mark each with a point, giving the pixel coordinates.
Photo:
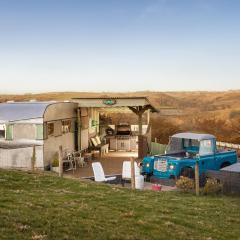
(187, 172)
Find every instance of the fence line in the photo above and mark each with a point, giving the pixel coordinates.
(230, 180)
(157, 148)
(228, 145)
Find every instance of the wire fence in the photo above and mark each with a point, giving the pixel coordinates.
(228, 145)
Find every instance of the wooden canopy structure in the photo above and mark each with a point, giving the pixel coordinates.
(137, 105)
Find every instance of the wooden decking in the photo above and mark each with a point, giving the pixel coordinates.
(111, 162)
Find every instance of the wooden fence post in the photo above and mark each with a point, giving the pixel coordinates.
(197, 178)
(132, 173)
(60, 156)
(33, 159)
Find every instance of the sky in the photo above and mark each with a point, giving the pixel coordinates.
(119, 45)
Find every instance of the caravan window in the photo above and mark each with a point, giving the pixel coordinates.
(206, 147)
(66, 126)
(175, 145)
(2, 131)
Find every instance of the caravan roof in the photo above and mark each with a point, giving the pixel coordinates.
(16, 111)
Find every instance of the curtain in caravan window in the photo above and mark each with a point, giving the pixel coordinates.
(9, 132)
(66, 126)
(39, 131)
(57, 128)
(2, 131)
(73, 125)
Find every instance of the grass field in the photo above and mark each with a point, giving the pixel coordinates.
(43, 206)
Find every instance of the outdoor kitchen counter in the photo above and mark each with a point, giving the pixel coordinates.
(122, 142)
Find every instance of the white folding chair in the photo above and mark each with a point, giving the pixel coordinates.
(99, 175)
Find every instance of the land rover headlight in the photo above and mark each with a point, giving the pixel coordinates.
(171, 167)
(147, 165)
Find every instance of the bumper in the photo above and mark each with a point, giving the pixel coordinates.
(164, 175)
(146, 171)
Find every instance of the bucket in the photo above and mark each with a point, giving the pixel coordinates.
(156, 187)
(139, 182)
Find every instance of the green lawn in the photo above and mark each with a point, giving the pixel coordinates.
(43, 206)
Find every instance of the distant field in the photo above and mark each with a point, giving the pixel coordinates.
(217, 113)
(42, 206)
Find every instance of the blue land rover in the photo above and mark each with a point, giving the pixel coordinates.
(182, 152)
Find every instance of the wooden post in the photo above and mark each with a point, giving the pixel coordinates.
(78, 129)
(148, 116)
(140, 139)
(33, 159)
(60, 158)
(139, 111)
(140, 123)
(132, 173)
(197, 178)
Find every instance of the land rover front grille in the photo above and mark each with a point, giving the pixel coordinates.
(160, 165)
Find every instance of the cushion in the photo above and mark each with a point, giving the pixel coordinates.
(97, 138)
(94, 142)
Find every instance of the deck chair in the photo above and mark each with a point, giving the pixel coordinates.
(99, 146)
(99, 175)
(126, 171)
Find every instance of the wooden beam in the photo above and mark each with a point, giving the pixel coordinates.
(134, 110)
(140, 109)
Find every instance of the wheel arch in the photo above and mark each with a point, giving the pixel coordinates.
(225, 164)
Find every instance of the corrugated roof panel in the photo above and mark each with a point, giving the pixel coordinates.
(22, 110)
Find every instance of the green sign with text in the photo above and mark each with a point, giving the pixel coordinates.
(109, 101)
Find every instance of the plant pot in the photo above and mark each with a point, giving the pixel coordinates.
(55, 169)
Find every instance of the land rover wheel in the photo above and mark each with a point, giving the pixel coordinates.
(187, 172)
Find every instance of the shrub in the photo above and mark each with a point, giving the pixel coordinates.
(212, 186)
(55, 162)
(185, 184)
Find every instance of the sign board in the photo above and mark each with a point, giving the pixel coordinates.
(110, 102)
